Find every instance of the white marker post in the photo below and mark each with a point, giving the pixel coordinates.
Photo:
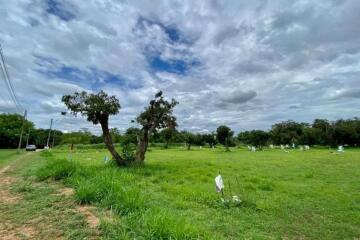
(340, 149)
(219, 185)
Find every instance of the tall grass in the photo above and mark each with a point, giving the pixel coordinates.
(160, 224)
(116, 189)
(57, 169)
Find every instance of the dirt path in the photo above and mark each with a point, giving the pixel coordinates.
(9, 230)
(6, 181)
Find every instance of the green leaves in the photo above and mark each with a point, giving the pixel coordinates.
(158, 114)
(96, 107)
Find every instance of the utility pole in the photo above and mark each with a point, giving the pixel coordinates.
(53, 142)
(27, 138)
(48, 139)
(22, 131)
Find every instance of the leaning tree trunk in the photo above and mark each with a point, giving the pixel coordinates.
(143, 142)
(109, 144)
(188, 146)
(227, 145)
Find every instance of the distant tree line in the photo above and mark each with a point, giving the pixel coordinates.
(320, 132)
(10, 129)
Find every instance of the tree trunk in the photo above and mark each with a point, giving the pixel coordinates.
(109, 144)
(143, 142)
(188, 146)
(227, 145)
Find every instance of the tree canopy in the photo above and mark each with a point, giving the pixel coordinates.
(223, 135)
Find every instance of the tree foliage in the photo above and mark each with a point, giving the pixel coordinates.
(224, 135)
(167, 134)
(157, 115)
(96, 108)
(189, 138)
(257, 138)
(210, 139)
(10, 129)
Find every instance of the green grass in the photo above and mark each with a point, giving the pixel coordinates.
(313, 194)
(37, 205)
(6, 155)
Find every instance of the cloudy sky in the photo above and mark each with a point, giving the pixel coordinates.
(246, 64)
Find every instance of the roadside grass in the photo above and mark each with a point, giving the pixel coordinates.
(6, 155)
(313, 194)
(38, 212)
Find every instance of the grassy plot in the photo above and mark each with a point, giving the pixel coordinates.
(313, 194)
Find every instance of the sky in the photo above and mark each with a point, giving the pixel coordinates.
(245, 64)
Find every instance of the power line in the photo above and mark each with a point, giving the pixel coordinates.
(8, 81)
(11, 97)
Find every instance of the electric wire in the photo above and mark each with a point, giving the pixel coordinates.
(8, 82)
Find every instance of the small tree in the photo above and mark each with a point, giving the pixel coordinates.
(167, 135)
(189, 139)
(210, 139)
(130, 136)
(115, 135)
(158, 115)
(97, 108)
(224, 135)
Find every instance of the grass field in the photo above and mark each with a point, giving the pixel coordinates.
(296, 195)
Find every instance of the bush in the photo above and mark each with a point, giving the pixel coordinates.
(128, 152)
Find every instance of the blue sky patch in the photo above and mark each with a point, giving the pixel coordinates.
(92, 78)
(173, 33)
(174, 37)
(59, 9)
(173, 66)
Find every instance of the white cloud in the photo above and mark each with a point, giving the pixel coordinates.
(246, 64)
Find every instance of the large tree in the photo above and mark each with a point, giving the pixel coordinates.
(158, 115)
(97, 108)
(287, 132)
(256, 138)
(224, 135)
(323, 131)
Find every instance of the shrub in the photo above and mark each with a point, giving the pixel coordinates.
(128, 152)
